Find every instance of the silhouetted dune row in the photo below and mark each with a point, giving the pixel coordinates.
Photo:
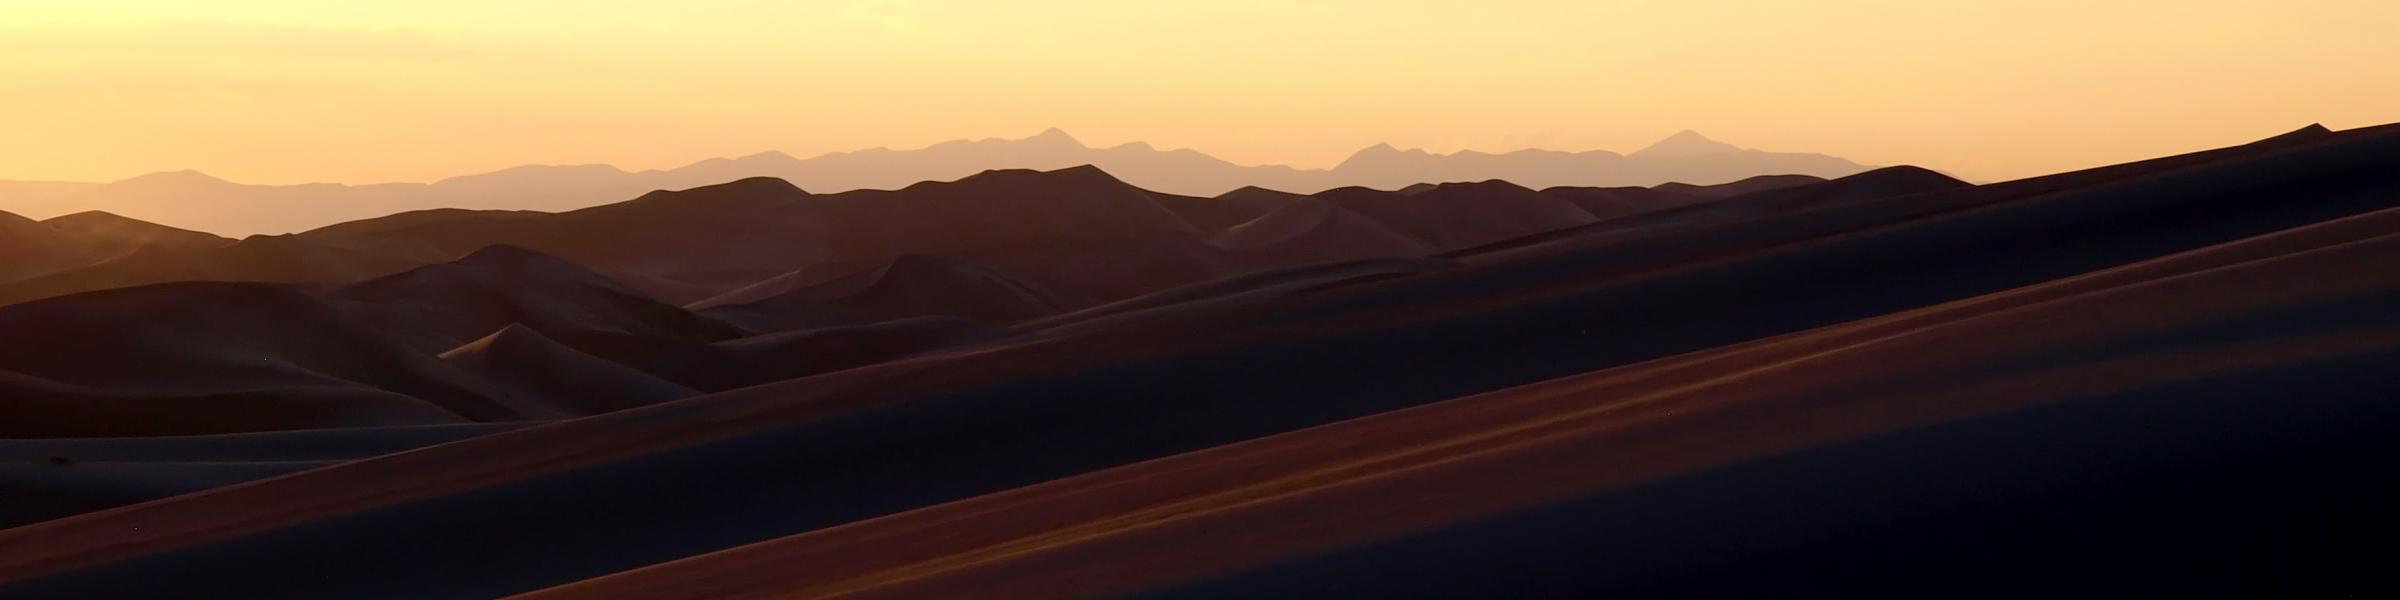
(198, 201)
(1047, 384)
(695, 243)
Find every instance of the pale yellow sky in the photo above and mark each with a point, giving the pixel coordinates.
(271, 91)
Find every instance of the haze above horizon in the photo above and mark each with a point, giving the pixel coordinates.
(278, 92)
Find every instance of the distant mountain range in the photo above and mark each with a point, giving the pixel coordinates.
(197, 201)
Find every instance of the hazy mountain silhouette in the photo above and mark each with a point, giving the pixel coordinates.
(1686, 143)
(197, 201)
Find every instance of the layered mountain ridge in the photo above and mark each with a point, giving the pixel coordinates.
(197, 201)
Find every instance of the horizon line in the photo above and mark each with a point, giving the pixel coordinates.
(1046, 132)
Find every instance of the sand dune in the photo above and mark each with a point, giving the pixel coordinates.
(1884, 383)
(1074, 204)
(1759, 183)
(258, 259)
(726, 234)
(782, 355)
(908, 286)
(1517, 451)
(1454, 215)
(532, 368)
(1610, 203)
(1230, 291)
(266, 446)
(58, 477)
(114, 235)
(189, 358)
(1315, 231)
(29, 248)
(1089, 273)
(442, 306)
(778, 285)
(1210, 215)
(35, 249)
(40, 491)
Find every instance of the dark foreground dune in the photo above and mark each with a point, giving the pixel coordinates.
(2306, 321)
(2168, 378)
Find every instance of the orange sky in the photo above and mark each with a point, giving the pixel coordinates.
(412, 90)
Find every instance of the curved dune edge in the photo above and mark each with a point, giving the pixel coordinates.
(1257, 502)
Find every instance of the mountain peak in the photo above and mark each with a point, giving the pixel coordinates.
(1055, 135)
(183, 177)
(1375, 155)
(769, 156)
(1687, 143)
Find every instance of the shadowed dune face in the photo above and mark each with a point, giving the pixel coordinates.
(258, 259)
(58, 477)
(115, 234)
(2099, 378)
(530, 366)
(1454, 215)
(778, 285)
(1086, 274)
(784, 355)
(219, 357)
(1210, 215)
(909, 286)
(1233, 291)
(441, 306)
(1746, 186)
(1610, 203)
(1315, 231)
(33, 249)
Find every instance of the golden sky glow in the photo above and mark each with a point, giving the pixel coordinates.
(411, 90)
